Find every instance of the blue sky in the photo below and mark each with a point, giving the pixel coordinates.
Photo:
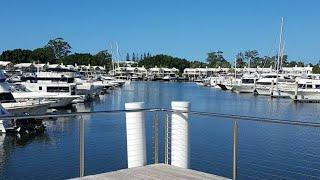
(182, 28)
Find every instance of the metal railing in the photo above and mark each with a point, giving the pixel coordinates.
(228, 117)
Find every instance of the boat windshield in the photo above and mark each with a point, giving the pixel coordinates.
(6, 97)
(247, 81)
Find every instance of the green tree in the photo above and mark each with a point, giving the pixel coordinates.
(17, 56)
(133, 57)
(43, 55)
(216, 59)
(251, 56)
(59, 46)
(165, 61)
(128, 57)
(240, 60)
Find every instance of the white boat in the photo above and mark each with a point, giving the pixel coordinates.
(265, 83)
(214, 81)
(274, 85)
(59, 100)
(247, 84)
(20, 108)
(305, 90)
(63, 89)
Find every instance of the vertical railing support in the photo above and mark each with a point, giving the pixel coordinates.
(166, 139)
(81, 147)
(155, 138)
(180, 134)
(136, 135)
(235, 149)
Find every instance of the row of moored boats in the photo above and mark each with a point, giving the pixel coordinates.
(43, 92)
(301, 88)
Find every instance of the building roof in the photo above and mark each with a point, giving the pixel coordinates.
(5, 63)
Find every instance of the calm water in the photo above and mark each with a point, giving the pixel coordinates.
(266, 151)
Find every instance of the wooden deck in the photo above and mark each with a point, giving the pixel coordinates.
(155, 172)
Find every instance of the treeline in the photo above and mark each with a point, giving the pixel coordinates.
(57, 51)
(169, 62)
(137, 57)
(216, 59)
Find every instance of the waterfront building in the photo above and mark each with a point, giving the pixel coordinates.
(6, 65)
(160, 73)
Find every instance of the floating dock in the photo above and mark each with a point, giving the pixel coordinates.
(156, 172)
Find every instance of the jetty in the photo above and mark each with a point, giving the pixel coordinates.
(156, 172)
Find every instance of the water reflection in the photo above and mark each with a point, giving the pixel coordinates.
(272, 146)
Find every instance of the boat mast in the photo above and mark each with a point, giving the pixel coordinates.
(280, 46)
(112, 59)
(235, 68)
(118, 54)
(279, 52)
(282, 54)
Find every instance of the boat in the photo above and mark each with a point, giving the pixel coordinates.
(247, 84)
(19, 108)
(22, 125)
(306, 90)
(21, 93)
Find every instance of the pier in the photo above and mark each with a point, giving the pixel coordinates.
(156, 172)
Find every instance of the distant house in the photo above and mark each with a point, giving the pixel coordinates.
(6, 65)
(29, 67)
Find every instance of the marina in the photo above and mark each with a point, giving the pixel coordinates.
(162, 90)
(210, 137)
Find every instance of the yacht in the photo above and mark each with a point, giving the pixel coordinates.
(274, 85)
(246, 85)
(214, 81)
(305, 90)
(21, 93)
(20, 108)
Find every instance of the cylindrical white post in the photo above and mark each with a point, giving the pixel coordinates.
(136, 136)
(180, 134)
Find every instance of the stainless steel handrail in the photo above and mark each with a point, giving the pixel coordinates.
(228, 117)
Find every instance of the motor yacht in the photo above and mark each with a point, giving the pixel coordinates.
(21, 93)
(305, 90)
(23, 107)
(247, 84)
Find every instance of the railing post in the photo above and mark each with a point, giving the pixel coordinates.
(81, 147)
(136, 135)
(166, 139)
(180, 134)
(235, 149)
(155, 138)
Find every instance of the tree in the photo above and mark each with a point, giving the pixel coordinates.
(59, 46)
(128, 57)
(165, 61)
(216, 59)
(43, 55)
(133, 57)
(144, 55)
(240, 60)
(17, 56)
(251, 56)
